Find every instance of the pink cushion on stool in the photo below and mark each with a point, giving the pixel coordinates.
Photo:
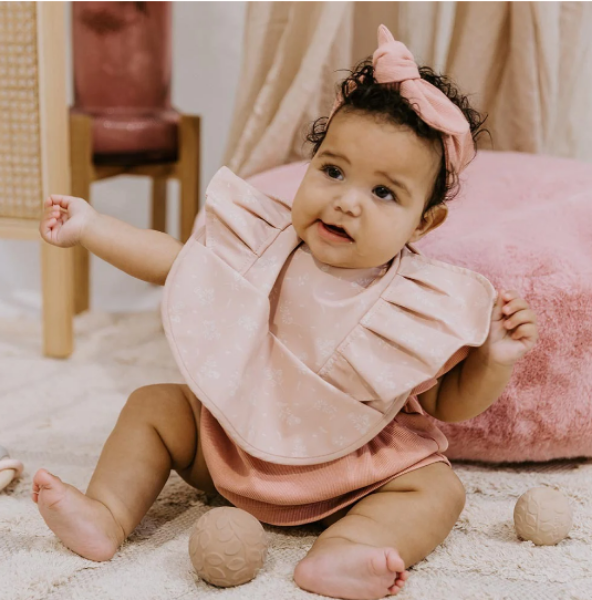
(525, 222)
(151, 135)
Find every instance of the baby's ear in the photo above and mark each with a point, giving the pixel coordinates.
(432, 218)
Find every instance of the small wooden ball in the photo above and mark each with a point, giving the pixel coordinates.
(6, 476)
(9, 468)
(227, 546)
(543, 515)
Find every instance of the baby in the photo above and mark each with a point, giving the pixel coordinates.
(314, 340)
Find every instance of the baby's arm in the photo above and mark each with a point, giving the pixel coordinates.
(478, 381)
(142, 253)
(467, 390)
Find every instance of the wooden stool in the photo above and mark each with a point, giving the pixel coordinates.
(84, 171)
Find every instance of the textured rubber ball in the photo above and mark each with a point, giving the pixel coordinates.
(543, 515)
(227, 546)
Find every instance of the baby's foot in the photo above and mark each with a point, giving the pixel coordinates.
(84, 525)
(344, 569)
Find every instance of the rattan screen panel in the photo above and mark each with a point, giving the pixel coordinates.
(20, 152)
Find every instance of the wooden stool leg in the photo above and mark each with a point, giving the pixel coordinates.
(159, 203)
(82, 176)
(188, 172)
(58, 310)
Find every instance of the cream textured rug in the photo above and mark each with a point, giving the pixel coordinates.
(57, 414)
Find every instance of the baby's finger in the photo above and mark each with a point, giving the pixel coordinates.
(510, 295)
(496, 313)
(50, 213)
(526, 332)
(514, 305)
(46, 226)
(522, 316)
(63, 201)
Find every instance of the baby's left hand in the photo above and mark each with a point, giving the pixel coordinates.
(513, 331)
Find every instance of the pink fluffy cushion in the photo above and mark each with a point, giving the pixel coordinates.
(525, 222)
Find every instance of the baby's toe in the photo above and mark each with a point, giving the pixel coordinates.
(43, 479)
(394, 562)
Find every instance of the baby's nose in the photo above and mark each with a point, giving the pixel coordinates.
(350, 203)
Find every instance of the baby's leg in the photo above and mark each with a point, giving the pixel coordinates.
(156, 432)
(363, 555)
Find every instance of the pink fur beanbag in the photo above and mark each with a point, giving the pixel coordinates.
(525, 222)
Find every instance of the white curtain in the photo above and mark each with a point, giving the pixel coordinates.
(527, 64)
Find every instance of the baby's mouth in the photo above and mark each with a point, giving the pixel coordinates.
(334, 229)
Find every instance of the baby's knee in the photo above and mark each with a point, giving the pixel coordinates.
(151, 400)
(440, 485)
(455, 494)
(168, 409)
(442, 491)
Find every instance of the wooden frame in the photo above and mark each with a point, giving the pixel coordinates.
(56, 263)
(57, 266)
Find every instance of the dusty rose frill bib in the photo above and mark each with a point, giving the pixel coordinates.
(216, 314)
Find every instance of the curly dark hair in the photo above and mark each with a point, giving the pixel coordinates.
(360, 92)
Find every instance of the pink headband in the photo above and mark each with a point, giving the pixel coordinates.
(394, 63)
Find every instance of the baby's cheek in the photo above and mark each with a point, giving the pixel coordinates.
(297, 219)
(387, 242)
(378, 250)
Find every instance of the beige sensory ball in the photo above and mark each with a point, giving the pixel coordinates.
(227, 546)
(543, 515)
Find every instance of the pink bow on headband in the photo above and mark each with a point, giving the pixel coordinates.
(394, 63)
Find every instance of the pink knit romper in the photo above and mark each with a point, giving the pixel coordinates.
(308, 374)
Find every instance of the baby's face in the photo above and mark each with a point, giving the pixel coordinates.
(372, 180)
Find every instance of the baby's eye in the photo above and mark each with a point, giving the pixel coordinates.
(383, 192)
(332, 171)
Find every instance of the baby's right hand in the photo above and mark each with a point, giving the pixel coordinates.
(64, 220)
